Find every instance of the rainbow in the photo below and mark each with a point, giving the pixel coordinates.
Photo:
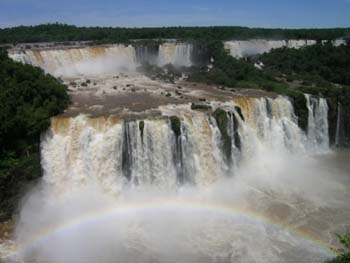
(218, 209)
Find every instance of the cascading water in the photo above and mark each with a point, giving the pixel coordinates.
(85, 61)
(245, 48)
(176, 54)
(149, 151)
(317, 131)
(97, 60)
(232, 184)
(207, 182)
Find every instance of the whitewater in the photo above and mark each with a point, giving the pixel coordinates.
(240, 182)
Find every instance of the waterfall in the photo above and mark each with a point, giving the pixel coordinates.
(130, 184)
(317, 131)
(245, 48)
(118, 153)
(147, 54)
(87, 61)
(99, 60)
(176, 54)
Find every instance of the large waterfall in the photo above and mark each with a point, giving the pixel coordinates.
(152, 151)
(202, 175)
(80, 61)
(232, 184)
(97, 60)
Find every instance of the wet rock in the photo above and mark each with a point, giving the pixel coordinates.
(195, 106)
(175, 125)
(141, 127)
(221, 118)
(239, 111)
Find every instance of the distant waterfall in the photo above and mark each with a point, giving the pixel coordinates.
(176, 54)
(245, 48)
(317, 131)
(99, 60)
(118, 153)
(67, 62)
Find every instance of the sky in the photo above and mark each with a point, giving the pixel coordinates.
(153, 13)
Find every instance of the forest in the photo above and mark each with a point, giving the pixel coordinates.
(28, 98)
(62, 32)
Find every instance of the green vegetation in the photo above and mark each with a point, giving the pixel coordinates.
(61, 32)
(313, 64)
(343, 254)
(28, 98)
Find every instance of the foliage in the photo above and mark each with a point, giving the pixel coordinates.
(61, 32)
(313, 64)
(28, 98)
(343, 254)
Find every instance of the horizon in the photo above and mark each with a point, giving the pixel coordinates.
(155, 27)
(146, 14)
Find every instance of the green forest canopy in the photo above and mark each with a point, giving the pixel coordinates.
(28, 98)
(63, 32)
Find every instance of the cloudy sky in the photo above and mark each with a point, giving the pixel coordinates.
(150, 13)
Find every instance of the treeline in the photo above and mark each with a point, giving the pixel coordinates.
(28, 98)
(62, 32)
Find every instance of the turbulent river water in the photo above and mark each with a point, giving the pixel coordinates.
(244, 184)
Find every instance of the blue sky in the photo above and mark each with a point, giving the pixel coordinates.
(150, 13)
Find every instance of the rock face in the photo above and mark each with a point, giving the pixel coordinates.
(221, 118)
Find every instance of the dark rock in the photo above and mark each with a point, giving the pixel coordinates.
(141, 127)
(221, 118)
(239, 111)
(175, 125)
(196, 106)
